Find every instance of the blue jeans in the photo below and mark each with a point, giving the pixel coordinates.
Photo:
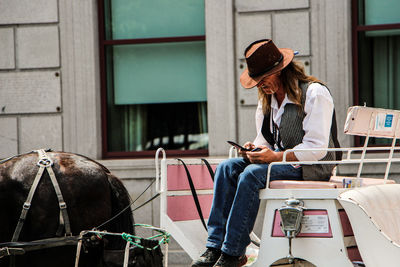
(236, 200)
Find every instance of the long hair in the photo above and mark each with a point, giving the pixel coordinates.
(290, 78)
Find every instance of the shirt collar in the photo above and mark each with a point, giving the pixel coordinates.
(274, 102)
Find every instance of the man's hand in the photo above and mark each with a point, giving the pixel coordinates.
(267, 155)
(248, 145)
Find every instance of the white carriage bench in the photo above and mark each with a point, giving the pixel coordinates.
(326, 238)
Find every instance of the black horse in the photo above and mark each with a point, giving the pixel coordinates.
(92, 194)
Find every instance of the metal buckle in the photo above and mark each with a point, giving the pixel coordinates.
(11, 251)
(63, 205)
(44, 162)
(6, 250)
(26, 205)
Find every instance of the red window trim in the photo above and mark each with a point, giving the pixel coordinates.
(356, 28)
(154, 40)
(103, 84)
(377, 27)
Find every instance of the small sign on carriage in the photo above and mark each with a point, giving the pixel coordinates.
(352, 182)
(315, 224)
(384, 122)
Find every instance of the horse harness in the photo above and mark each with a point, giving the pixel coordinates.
(44, 163)
(16, 247)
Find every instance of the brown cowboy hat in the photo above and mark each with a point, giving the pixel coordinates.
(263, 58)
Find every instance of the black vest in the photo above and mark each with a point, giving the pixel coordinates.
(291, 134)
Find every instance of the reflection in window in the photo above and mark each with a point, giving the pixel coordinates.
(377, 39)
(154, 80)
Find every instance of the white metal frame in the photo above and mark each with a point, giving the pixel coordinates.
(314, 250)
(317, 250)
(190, 235)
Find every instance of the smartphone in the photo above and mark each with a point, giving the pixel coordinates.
(242, 148)
(238, 146)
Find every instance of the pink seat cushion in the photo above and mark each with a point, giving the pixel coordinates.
(288, 184)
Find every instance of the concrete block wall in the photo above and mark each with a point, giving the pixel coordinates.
(301, 26)
(30, 80)
(50, 78)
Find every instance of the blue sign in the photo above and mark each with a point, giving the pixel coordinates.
(388, 120)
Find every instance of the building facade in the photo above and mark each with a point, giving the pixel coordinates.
(57, 60)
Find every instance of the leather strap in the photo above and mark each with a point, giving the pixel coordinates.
(210, 170)
(37, 244)
(194, 194)
(44, 163)
(11, 251)
(64, 219)
(339, 154)
(27, 205)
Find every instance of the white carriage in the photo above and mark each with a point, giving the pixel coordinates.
(348, 221)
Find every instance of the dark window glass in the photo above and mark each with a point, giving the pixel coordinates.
(154, 77)
(376, 45)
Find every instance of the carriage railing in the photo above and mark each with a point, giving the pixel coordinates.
(158, 170)
(347, 160)
(380, 123)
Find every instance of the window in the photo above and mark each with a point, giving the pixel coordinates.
(153, 71)
(376, 54)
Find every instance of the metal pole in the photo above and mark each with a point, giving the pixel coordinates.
(364, 149)
(126, 254)
(391, 151)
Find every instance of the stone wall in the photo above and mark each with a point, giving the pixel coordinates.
(30, 86)
(50, 78)
(319, 30)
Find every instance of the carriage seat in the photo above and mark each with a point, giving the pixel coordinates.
(290, 184)
(334, 182)
(338, 180)
(375, 217)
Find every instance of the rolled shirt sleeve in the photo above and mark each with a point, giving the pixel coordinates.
(318, 108)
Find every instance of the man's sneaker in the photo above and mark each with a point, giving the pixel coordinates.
(208, 258)
(231, 261)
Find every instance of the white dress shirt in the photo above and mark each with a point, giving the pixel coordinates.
(318, 108)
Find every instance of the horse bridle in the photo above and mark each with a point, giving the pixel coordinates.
(44, 163)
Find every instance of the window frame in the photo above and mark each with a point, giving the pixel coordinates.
(355, 30)
(103, 44)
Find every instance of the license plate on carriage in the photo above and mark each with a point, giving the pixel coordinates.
(315, 223)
